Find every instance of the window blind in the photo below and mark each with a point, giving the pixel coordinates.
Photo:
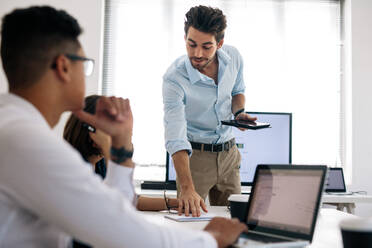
(292, 56)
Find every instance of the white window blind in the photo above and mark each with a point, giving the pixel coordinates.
(291, 52)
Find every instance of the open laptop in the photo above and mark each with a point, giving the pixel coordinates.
(283, 206)
(335, 182)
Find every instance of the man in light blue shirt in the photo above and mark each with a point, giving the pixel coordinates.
(199, 91)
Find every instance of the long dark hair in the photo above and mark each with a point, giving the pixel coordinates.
(78, 135)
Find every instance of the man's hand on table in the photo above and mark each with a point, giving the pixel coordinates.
(225, 231)
(190, 202)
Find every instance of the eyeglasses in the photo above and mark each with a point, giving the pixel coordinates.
(88, 63)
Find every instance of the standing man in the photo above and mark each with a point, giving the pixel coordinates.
(199, 91)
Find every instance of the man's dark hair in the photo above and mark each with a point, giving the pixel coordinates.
(32, 38)
(207, 20)
(78, 135)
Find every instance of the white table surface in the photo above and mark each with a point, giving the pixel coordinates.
(354, 198)
(347, 202)
(327, 198)
(327, 233)
(341, 201)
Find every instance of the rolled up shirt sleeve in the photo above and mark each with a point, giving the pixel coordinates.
(175, 125)
(239, 86)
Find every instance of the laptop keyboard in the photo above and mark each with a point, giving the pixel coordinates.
(262, 238)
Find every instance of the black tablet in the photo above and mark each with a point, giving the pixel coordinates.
(246, 124)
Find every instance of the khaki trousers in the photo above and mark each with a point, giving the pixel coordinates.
(216, 174)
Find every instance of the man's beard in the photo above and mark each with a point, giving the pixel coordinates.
(200, 66)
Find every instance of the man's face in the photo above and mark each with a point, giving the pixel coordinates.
(201, 48)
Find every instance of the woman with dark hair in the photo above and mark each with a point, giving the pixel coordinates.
(94, 145)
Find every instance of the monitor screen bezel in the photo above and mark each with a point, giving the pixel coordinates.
(167, 180)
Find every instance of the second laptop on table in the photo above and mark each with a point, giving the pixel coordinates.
(283, 206)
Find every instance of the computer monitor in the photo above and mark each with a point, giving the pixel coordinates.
(265, 146)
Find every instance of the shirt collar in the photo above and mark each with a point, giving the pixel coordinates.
(29, 108)
(194, 75)
(223, 57)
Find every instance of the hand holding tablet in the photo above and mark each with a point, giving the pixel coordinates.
(246, 124)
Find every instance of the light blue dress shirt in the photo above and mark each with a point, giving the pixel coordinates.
(194, 105)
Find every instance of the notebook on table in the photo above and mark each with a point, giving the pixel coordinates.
(283, 206)
(190, 218)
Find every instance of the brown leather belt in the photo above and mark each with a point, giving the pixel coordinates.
(213, 147)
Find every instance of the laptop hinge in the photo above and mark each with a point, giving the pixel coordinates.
(274, 235)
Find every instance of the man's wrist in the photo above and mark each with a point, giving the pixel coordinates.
(120, 155)
(187, 187)
(238, 112)
(122, 141)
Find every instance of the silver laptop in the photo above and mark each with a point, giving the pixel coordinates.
(283, 206)
(335, 182)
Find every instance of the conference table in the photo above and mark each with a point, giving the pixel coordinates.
(347, 202)
(327, 233)
(341, 202)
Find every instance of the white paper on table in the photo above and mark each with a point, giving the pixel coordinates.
(184, 218)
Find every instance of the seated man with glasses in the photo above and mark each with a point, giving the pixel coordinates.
(48, 193)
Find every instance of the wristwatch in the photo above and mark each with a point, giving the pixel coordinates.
(238, 112)
(120, 155)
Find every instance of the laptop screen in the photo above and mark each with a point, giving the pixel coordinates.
(335, 181)
(286, 199)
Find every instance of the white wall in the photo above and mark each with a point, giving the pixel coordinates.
(89, 14)
(360, 75)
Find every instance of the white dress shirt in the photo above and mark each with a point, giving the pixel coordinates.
(48, 193)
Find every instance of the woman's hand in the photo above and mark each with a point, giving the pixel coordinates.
(102, 141)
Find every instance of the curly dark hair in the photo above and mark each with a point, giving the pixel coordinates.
(207, 20)
(77, 135)
(32, 38)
